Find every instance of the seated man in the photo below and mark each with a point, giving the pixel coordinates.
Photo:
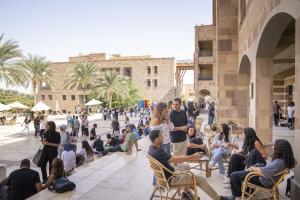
(166, 159)
(24, 182)
(112, 141)
(98, 145)
(130, 140)
(93, 132)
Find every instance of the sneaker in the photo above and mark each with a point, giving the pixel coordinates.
(204, 158)
(226, 181)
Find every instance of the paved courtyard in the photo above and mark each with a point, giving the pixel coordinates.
(117, 176)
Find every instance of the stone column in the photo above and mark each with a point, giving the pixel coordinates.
(263, 99)
(295, 186)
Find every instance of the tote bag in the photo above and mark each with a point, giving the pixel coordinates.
(38, 157)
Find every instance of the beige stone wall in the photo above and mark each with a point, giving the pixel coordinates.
(139, 65)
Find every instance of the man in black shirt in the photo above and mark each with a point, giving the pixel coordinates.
(24, 182)
(178, 135)
(211, 113)
(166, 159)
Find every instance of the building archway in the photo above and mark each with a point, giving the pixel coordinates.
(275, 68)
(245, 74)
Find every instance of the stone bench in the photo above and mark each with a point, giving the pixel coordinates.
(116, 175)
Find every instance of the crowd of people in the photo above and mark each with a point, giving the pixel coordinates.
(169, 125)
(174, 143)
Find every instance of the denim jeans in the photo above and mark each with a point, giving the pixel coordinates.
(217, 157)
(166, 148)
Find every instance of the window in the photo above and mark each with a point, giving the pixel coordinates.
(43, 97)
(225, 45)
(205, 48)
(149, 70)
(155, 82)
(128, 72)
(252, 91)
(73, 97)
(206, 73)
(148, 83)
(155, 69)
(243, 10)
(64, 97)
(50, 97)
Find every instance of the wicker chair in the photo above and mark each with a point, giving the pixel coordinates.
(163, 183)
(250, 189)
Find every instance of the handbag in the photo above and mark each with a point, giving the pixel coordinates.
(62, 185)
(38, 157)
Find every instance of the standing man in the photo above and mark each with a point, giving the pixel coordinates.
(276, 111)
(116, 127)
(211, 113)
(69, 119)
(37, 123)
(178, 135)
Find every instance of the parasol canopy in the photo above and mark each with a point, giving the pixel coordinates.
(40, 106)
(93, 102)
(4, 107)
(17, 105)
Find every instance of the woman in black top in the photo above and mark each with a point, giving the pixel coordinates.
(51, 143)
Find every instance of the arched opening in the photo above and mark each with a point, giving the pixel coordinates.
(247, 93)
(204, 97)
(275, 74)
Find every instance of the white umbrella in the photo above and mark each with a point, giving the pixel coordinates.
(17, 105)
(93, 102)
(40, 106)
(4, 107)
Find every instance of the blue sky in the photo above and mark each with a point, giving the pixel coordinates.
(58, 29)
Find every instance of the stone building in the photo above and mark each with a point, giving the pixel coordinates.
(153, 77)
(253, 49)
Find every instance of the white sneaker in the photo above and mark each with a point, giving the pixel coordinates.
(226, 181)
(204, 158)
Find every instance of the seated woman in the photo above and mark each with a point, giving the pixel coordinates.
(222, 144)
(69, 158)
(87, 151)
(195, 144)
(282, 158)
(98, 145)
(253, 153)
(57, 171)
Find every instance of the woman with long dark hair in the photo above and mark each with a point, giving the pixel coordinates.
(51, 141)
(282, 158)
(87, 151)
(195, 144)
(222, 144)
(57, 172)
(252, 153)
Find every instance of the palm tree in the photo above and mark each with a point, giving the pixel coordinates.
(37, 71)
(10, 73)
(111, 83)
(82, 77)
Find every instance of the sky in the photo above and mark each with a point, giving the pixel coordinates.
(58, 29)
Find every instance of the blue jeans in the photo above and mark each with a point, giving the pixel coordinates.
(217, 157)
(166, 148)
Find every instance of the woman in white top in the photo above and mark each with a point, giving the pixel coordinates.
(222, 145)
(291, 114)
(43, 122)
(69, 158)
(160, 121)
(87, 151)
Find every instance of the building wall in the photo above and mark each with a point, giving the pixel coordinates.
(205, 33)
(164, 91)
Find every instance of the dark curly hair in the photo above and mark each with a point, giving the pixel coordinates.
(283, 150)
